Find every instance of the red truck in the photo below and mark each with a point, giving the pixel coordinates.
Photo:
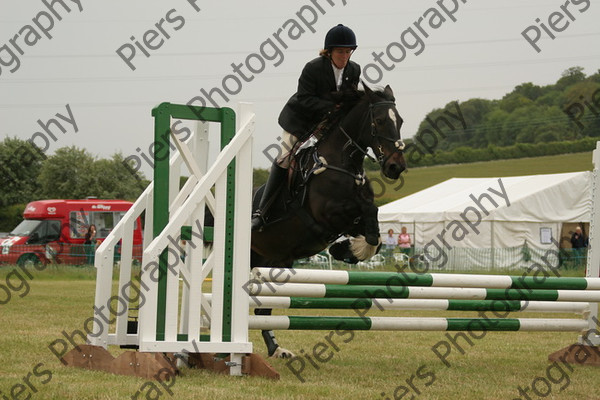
(53, 231)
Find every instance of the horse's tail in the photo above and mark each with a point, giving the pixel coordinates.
(362, 249)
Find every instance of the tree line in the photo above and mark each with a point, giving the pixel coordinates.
(70, 173)
(27, 174)
(530, 121)
(568, 110)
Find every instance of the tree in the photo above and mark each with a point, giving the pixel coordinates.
(513, 101)
(473, 112)
(494, 127)
(529, 90)
(440, 131)
(20, 165)
(73, 173)
(550, 98)
(68, 174)
(595, 77)
(569, 77)
(112, 180)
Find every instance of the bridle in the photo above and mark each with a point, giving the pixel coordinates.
(320, 164)
(377, 147)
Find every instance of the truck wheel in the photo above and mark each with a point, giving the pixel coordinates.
(28, 260)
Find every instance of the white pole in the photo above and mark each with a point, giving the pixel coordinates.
(241, 240)
(593, 256)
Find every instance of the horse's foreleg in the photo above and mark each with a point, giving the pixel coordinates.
(371, 224)
(273, 348)
(341, 251)
(365, 247)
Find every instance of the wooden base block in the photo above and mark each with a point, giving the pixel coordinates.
(159, 366)
(89, 357)
(145, 365)
(252, 364)
(578, 354)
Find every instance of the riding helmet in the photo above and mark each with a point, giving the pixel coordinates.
(340, 36)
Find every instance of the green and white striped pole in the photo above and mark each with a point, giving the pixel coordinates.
(286, 275)
(381, 304)
(403, 292)
(415, 324)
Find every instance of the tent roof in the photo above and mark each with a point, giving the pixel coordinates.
(533, 198)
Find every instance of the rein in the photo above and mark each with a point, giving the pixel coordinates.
(320, 164)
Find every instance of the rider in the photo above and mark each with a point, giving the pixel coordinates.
(330, 72)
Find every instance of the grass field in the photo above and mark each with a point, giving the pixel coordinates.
(361, 365)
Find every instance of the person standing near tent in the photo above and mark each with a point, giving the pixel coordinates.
(579, 242)
(390, 243)
(404, 241)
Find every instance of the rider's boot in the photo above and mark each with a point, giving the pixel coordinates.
(276, 178)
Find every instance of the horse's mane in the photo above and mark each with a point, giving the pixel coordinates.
(350, 98)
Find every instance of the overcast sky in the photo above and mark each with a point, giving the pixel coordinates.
(481, 54)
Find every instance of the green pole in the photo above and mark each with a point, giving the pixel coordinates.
(227, 133)
(162, 120)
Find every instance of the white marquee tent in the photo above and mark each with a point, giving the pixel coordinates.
(521, 218)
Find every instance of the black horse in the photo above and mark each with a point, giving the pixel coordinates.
(333, 197)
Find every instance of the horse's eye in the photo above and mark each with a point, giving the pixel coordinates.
(379, 121)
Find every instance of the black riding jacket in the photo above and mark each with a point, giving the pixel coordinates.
(313, 101)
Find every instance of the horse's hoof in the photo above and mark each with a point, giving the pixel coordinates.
(280, 352)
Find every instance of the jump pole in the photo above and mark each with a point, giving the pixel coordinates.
(403, 292)
(416, 324)
(285, 275)
(384, 304)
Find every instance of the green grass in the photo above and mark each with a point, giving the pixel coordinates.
(362, 365)
(416, 179)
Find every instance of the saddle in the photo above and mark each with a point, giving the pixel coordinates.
(292, 195)
(289, 200)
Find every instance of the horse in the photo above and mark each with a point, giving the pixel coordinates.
(335, 196)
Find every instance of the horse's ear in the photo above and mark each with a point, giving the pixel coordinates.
(388, 92)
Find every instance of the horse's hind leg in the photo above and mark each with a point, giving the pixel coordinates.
(268, 336)
(273, 348)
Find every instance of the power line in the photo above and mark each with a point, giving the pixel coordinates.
(304, 50)
(430, 67)
(221, 18)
